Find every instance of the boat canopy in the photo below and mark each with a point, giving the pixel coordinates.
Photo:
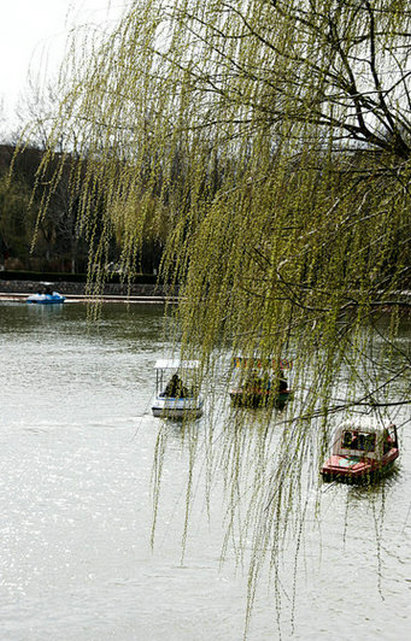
(175, 363)
(262, 363)
(371, 441)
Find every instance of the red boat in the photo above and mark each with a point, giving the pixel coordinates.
(361, 454)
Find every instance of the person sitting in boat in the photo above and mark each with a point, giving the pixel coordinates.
(254, 383)
(388, 442)
(282, 383)
(175, 388)
(267, 383)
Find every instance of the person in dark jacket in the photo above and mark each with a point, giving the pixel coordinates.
(175, 388)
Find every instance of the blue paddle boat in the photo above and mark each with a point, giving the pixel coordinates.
(46, 296)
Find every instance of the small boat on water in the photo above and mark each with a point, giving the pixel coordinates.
(255, 397)
(361, 454)
(46, 296)
(177, 394)
(260, 383)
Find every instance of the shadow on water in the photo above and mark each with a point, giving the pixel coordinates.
(375, 488)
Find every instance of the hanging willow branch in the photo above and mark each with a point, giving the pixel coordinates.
(269, 145)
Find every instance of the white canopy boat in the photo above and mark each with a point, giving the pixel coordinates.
(177, 394)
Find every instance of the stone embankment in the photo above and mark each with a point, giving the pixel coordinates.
(17, 290)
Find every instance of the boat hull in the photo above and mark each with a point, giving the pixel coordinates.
(346, 469)
(177, 408)
(46, 299)
(256, 399)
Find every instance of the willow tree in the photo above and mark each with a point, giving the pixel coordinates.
(272, 142)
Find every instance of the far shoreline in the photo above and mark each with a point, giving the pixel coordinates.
(20, 297)
(142, 291)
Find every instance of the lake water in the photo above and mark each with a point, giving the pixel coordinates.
(77, 445)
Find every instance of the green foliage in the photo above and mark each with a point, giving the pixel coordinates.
(16, 227)
(268, 144)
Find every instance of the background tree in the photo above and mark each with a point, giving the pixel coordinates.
(16, 227)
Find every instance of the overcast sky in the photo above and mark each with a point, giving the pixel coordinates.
(33, 35)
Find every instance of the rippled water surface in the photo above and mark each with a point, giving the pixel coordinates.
(77, 444)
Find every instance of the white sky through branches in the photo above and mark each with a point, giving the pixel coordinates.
(33, 35)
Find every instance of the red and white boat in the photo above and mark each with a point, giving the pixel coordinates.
(361, 454)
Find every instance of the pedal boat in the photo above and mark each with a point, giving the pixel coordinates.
(46, 299)
(46, 296)
(361, 454)
(265, 384)
(189, 403)
(254, 398)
